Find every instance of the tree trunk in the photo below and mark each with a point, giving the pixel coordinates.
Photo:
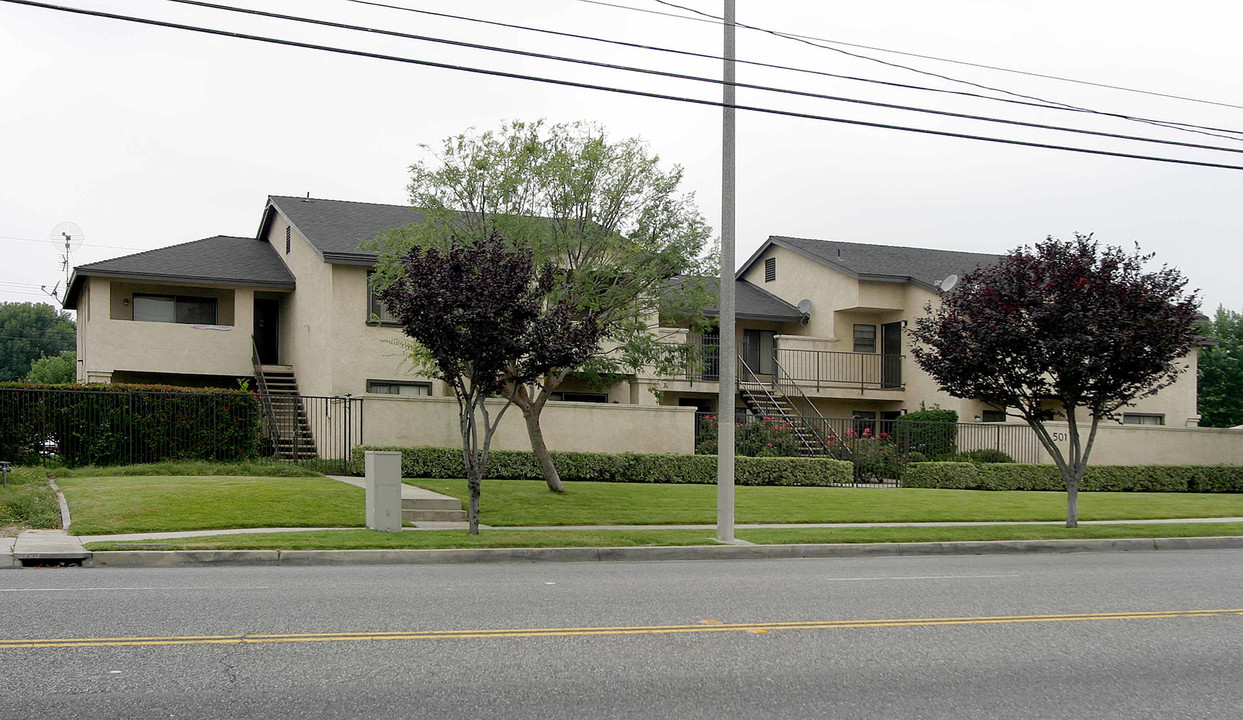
(546, 466)
(1072, 503)
(474, 484)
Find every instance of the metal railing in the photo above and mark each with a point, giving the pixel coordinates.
(823, 368)
(269, 416)
(128, 426)
(705, 366)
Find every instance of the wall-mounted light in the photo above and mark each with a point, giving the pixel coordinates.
(125, 302)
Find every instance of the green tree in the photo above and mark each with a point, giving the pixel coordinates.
(28, 331)
(1221, 371)
(1072, 322)
(59, 369)
(603, 213)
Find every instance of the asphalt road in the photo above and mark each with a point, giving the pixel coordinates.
(1109, 635)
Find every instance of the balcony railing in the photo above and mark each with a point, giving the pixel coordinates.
(810, 368)
(821, 368)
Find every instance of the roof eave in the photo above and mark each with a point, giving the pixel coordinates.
(196, 280)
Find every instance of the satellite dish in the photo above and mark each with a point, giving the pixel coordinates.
(804, 306)
(948, 283)
(69, 234)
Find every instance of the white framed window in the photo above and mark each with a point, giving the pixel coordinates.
(404, 388)
(1143, 419)
(175, 309)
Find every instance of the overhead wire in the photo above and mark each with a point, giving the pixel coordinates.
(968, 63)
(1170, 124)
(796, 38)
(606, 88)
(692, 78)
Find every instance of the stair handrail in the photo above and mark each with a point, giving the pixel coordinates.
(782, 380)
(265, 400)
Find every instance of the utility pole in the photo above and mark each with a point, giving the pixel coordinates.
(727, 353)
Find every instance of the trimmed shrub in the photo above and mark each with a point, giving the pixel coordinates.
(1103, 478)
(987, 455)
(931, 432)
(435, 462)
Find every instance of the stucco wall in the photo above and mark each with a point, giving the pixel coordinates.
(1143, 445)
(588, 427)
(110, 345)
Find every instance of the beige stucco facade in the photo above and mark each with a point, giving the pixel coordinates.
(325, 336)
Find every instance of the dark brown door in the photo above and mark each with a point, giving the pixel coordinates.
(267, 333)
(891, 355)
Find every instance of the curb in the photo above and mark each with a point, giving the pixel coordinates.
(304, 558)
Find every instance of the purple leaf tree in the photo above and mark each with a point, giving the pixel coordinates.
(1066, 328)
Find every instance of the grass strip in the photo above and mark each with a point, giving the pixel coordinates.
(501, 538)
(158, 503)
(27, 502)
(527, 502)
(201, 468)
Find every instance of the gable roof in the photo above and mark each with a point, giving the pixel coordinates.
(335, 228)
(886, 263)
(219, 260)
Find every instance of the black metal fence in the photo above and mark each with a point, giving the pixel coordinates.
(122, 425)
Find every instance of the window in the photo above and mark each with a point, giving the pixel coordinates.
(376, 309)
(865, 338)
(590, 397)
(1143, 419)
(864, 422)
(175, 309)
(993, 416)
(770, 269)
(399, 387)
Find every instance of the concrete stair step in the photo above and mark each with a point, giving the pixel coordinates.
(416, 516)
(431, 504)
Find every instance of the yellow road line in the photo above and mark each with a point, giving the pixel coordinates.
(712, 627)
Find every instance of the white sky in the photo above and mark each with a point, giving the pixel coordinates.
(148, 136)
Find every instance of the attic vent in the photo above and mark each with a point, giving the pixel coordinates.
(770, 269)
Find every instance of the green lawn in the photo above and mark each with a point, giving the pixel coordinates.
(526, 502)
(27, 502)
(157, 503)
(428, 539)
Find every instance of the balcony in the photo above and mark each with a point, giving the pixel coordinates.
(812, 369)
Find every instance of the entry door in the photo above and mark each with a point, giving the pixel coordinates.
(891, 355)
(759, 351)
(267, 331)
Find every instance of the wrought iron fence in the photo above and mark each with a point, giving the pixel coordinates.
(121, 426)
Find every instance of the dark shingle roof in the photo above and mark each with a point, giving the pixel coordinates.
(220, 260)
(751, 303)
(887, 262)
(335, 228)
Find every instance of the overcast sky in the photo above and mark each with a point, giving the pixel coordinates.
(148, 136)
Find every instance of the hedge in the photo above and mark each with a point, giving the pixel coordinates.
(437, 462)
(1104, 478)
(120, 424)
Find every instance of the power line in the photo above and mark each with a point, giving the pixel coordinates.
(797, 38)
(54, 242)
(937, 59)
(695, 78)
(1043, 104)
(616, 90)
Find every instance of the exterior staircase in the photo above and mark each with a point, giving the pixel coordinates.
(769, 400)
(285, 419)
